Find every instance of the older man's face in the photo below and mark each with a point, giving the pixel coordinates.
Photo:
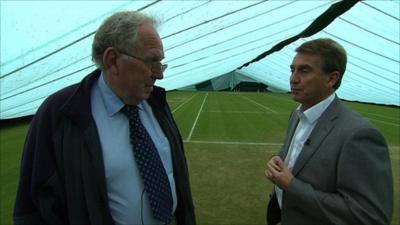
(139, 73)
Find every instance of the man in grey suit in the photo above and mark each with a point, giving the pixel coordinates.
(334, 166)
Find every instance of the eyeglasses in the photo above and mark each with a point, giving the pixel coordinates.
(153, 66)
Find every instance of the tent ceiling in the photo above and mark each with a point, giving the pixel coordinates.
(45, 45)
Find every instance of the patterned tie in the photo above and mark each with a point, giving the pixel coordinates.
(150, 166)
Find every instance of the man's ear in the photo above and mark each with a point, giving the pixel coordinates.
(333, 78)
(110, 57)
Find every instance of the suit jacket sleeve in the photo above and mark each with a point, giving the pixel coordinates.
(364, 185)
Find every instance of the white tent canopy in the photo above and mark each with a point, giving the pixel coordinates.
(46, 45)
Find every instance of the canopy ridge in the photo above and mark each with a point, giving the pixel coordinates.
(320, 23)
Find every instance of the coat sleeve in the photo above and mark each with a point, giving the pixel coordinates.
(364, 185)
(36, 200)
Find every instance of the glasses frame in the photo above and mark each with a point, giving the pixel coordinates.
(153, 66)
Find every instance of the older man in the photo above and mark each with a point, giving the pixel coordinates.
(107, 150)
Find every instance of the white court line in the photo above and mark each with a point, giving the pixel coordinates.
(177, 99)
(378, 115)
(250, 143)
(259, 104)
(184, 103)
(197, 117)
(380, 121)
(233, 143)
(232, 111)
(394, 146)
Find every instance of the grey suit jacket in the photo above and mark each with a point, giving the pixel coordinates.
(343, 175)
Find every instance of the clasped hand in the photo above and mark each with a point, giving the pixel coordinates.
(278, 173)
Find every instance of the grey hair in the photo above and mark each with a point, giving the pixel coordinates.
(119, 31)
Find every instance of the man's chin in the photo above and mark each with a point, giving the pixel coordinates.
(296, 98)
(149, 89)
(147, 93)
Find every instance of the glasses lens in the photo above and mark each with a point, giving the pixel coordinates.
(164, 67)
(156, 67)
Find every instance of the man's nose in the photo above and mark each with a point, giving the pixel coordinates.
(158, 74)
(294, 77)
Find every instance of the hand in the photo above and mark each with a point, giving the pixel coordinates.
(278, 173)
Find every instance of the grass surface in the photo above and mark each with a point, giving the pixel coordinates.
(228, 139)
(11, 142)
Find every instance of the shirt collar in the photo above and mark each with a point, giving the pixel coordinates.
(313, 113)
(112, 102)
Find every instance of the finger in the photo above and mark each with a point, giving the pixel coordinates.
(267, 174)
(275, 159)
(276, 167)
(271, 162)
(279, 162)
(272, 169)
(274, 173)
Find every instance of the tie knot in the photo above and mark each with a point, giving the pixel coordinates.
(131, 111)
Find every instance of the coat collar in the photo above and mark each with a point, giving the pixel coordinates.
(321, 130)
(78, 105)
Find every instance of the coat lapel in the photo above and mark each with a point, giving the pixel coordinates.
(321, 130)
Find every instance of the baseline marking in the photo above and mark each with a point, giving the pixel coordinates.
(253, 143)
(197, 117)
(233, 111)
(259, 104)
(233, 143)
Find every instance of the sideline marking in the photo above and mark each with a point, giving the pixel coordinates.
(378, 115)
(251, 100)
(381, 121)
(197, 117)
(184, 103)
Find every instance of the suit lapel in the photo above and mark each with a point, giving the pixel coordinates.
(321, 130)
